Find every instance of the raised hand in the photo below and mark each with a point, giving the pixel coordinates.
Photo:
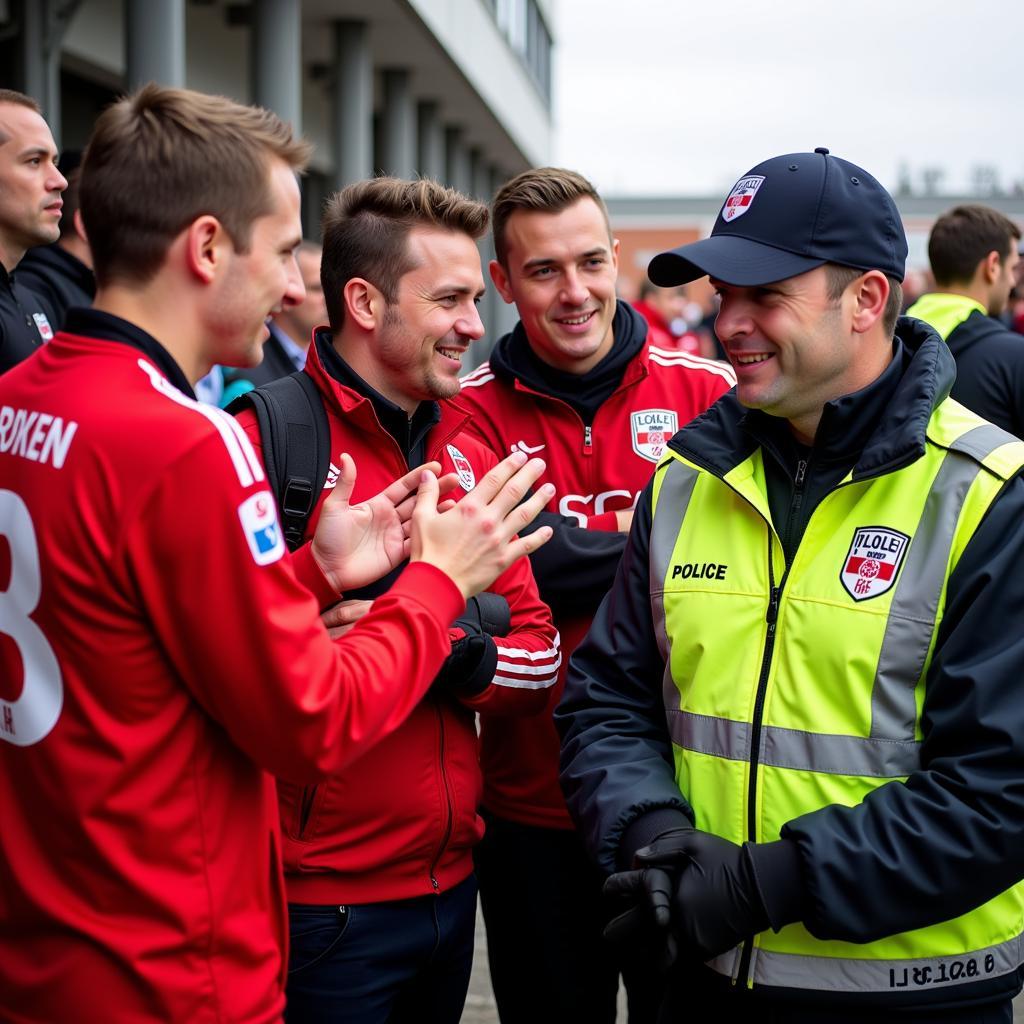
(475, 541)
(357, 544)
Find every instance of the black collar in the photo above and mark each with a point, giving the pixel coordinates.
(93, 323)
(409, 432)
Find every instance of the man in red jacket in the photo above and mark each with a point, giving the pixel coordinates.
(577, 382)
(378, 860)
(158, 651)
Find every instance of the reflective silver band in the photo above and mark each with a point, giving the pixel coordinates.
(915, 603)
(792, 748)
(983, 440)
(674, 497)
(838, 974)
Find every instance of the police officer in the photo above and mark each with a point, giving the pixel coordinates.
(805, 769)
(30, 212)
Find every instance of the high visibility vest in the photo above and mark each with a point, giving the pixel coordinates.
(789, 688)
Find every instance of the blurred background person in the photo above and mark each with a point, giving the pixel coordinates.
(30, 212)
(61, 273)
(973, 251)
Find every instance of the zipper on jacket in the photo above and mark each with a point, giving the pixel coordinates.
(771, 618)
(588, 439)
(449, 810)
(306, 808)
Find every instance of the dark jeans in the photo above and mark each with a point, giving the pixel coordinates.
(399, 962)
(544, 912)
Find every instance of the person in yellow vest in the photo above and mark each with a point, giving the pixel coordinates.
(973, 251)
(795, 732)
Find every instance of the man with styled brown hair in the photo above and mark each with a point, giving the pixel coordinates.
(378, 860)
(159, 653)
(30, 212)
(973, 251)
(579, 381)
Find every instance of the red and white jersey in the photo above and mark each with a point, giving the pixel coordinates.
(402, 821)
(596, 470)
(157, 653)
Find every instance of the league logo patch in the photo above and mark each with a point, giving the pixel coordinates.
(873, 561)
(462, 467)
(258, 514)
(741, 196)
(43, 326)
(651, 430)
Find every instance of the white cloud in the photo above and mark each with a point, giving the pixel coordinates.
(658, 96)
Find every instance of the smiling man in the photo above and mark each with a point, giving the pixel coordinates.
(577, 381)
(30, 212)
(804, 765)
(378, 861)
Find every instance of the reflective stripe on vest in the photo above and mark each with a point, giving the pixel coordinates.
(839, 700)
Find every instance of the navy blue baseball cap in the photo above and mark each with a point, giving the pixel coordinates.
(789, 215)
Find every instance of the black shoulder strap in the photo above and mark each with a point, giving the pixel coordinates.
(296, 441)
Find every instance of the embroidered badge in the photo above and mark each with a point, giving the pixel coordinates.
(873, 561)
(462, 468)
(43, 326)
(258, 514)
(651, 430)
(741, 196)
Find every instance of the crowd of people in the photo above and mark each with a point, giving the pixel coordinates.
(697, 664)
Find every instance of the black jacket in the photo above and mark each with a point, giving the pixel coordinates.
(26, 321)
(989, 370)
(952, 835)
(60, 279)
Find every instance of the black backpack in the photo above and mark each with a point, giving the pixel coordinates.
(296, 440)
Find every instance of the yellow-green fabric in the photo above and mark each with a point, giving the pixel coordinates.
(945, 311)
(837, 712)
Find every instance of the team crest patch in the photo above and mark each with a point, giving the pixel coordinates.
(651, 430)
(43, 326)
(462, 468)
(258, 514)
(741, 196)
(873, 561)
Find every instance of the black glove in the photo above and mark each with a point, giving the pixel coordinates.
(470, 667)
(704, 885)
(717, 901)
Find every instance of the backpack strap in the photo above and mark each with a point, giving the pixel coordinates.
(296, 440)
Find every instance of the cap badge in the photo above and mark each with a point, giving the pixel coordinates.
(741, 196)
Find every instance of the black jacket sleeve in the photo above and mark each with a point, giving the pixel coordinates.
(616, 763)
(952, 835)
(576, 567)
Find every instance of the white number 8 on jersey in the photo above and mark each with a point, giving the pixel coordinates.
(29, 718)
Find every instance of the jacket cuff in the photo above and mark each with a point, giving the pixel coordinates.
(779, 879)
(605, 521)
(312, 577)
(644, 830)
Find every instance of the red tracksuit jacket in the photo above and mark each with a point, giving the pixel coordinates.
(157, 652)
(596, 470)
(402, 821)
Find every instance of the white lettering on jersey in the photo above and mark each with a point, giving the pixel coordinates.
(258, 515)
(36, 436)
(577, 506)
(30, 716)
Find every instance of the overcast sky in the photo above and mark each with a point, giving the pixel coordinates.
(681, 97)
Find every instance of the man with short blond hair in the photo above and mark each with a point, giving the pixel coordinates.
(579, 381)
(160, 652)
(30, 213)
